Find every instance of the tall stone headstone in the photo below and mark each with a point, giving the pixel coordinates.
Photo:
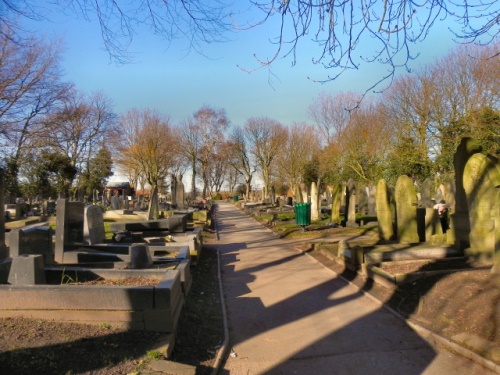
(449, 195)
(372, 205)
(180, 192)
(362, 200)
(336, 199)
(426, 194)
(351, 203)
(314, 202)
(69, 227)
(3, 248)
(384, 212)
(406, 211)
(481, 178)
(460, 219)
(496, 256)
(115, 202)
(93, 225)
(173, 189)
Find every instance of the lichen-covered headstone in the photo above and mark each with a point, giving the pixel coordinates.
(496, 256)
(406, 211)
(460, 218)
(314, 202)
(480, 180)
(372, 206)
(3, 248)
(426, 194)
(351, 203)
(336, 199)
(362, 200)
(384, 212)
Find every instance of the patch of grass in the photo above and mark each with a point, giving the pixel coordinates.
(154, 354)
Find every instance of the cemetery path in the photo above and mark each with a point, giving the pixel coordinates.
(288, 314)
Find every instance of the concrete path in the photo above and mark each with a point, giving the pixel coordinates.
(288, 314)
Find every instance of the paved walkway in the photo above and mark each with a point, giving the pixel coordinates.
(288, 314)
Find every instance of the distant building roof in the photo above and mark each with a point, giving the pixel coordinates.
(118, 185)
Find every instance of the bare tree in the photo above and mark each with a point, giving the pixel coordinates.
(199, 136)
(146, 144)
(265, 138)
(299, 147)
(240, 157)
(347, 33)
(30, 86)
(350, 33)
(332, 113)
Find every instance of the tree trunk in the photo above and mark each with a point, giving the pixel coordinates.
(153, 211)
(193, 180)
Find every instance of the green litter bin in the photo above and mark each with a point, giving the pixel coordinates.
(303, 214)
(236, 198)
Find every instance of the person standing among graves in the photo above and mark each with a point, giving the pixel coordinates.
(443, 214)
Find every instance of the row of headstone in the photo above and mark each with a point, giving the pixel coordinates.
(474, 199)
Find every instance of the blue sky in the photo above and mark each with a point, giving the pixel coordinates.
(177, 82)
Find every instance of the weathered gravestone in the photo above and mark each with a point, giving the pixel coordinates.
(426, 194)
(115, 202)
(449, 194)
(180, 192)
(496, 259)
(27, 270)
(69, 227)
(481, 177)
(93, 225)
(384, 212)
(336, 199)
(460, 222)
(362, 200)
(372, 206)
(3, 248)
(351, 203)
(406, 211)
(314, 202)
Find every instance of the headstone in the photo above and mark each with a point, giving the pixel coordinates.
(481, 177)
(34, 239)
(289, 201)
(384, 212)
(336, 198)
(69, 227)
(496, 255)
(27, 270)
(273, 195)
(460, 219)
(406, 211)
(115, 202)
(3, 248)
(449, 194)
(362, 200)
(351, 203)
(140, 257)
(426, 194)
(372, 206)
(314, 202)
(93, 225)
(180, 193)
